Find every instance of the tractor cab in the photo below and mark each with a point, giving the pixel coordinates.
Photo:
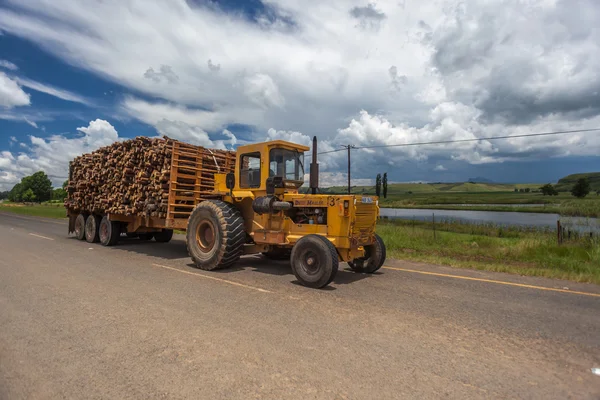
(275, 160)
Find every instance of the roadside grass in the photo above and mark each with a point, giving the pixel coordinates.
(48, 210)
(516, 251)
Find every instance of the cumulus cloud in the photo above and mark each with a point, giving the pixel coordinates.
(11, 94)
(8, 65)
(213, 67)
(465, 70)
(440, 168)
(369, 17)
(166, 73)
(52, 154)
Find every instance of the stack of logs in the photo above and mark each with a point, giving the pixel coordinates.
(132, 177)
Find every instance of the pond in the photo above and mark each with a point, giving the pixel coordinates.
(504, 218)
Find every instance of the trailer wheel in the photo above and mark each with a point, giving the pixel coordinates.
(373, 260)
(163, 236)
(109, 232)
(146, 235)
(278, 253)
(215, 235)
(92, 227)
(314, 261)
(80, 227)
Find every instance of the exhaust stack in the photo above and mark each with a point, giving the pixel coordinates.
(314, 168)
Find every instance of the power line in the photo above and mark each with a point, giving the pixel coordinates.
(478, 139)
(463, 140)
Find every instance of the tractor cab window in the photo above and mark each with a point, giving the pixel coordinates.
(288, 164)
(250, 170)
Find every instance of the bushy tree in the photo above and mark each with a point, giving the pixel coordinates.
(16, 193)
(527, 190)
(28, 195)
(385, 185)
(378, 185)
(4, 195)
(581, 188)
(39, 184)
(549, 190)
(59, 194)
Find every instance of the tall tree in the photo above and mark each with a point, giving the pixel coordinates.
(549, 190)
(581, 188)
(16, 193)
(39, 184)
(385, 185)
(378, 185)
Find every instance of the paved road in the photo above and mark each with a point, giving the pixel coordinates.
(137, 321)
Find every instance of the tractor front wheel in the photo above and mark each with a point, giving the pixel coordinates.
(314, 261)
(215, 235)
(373, 259)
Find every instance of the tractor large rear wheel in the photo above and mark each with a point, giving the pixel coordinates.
(314, 261)
(215, 235)
(373, 260)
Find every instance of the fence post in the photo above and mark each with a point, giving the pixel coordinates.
(434, 237)
(558, 232)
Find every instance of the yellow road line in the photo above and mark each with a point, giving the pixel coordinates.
(214, 278)
(40, 236)
(468, 278)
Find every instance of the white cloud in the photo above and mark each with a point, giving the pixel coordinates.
(53, 91)
(8, 65)
(52, 154)
(440, 168)
(350, 72)
(11, 94)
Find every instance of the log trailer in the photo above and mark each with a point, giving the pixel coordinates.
(252, 205)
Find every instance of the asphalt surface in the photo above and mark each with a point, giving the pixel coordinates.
(79, 320)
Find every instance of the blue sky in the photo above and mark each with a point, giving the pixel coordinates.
(74, 77)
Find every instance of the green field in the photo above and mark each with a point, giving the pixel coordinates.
(49, 210)
(481, 197)
(492, 248)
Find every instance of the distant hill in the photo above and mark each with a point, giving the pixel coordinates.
(565, 184)
(407, 188)
(479, 179)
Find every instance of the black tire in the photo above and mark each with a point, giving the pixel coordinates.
(163, 236)
(278, 253)
(215, 235)
(80, 227)
(314, 261)
(145, 235)
(92, 228)
(374, 258)
(109, 232)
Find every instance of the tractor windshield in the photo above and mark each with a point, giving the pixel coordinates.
(288, 164)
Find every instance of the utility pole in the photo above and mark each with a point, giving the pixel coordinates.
(349, 147)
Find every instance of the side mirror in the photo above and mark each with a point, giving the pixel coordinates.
(230, 180)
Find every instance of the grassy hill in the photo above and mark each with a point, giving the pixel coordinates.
(566, 183)
(395, 189)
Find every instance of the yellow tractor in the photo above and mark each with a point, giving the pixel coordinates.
(259, 209)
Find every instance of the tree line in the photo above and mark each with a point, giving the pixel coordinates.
(580, 189)
(35, 188)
